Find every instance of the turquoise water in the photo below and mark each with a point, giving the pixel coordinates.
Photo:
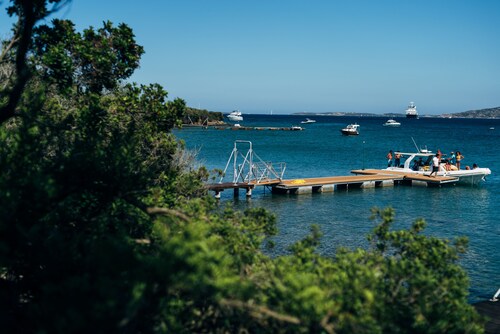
(344, 216)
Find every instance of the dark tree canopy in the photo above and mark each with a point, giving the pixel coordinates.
(92, 61)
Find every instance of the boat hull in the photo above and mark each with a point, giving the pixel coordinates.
(411, 116)
(465, 177)
(349, 133)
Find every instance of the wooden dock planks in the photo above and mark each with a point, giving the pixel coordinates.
(244, 185)
(333, 183)
(318, 181)
(248, 186)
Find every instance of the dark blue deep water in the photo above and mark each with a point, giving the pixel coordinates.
(344, 216)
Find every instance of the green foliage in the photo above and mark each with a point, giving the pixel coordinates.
(424, 283)
(201, 116)
(92, 61)
(104, 229)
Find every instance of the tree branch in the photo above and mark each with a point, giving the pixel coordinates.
(167, 212)
(258, 311)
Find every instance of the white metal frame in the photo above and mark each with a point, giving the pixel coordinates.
(252, 168)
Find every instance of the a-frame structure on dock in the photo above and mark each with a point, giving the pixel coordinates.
(245, 169)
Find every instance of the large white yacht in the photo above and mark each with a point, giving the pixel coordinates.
(235, 116)
(411, 111)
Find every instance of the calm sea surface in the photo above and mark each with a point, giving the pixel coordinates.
(344, 216)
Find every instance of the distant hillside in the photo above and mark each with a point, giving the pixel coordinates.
(482, 113)
(339, 113)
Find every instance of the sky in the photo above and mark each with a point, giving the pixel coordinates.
(316, 56)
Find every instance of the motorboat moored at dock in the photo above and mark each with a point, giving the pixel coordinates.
(421, 163)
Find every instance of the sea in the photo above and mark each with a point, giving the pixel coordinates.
(344, 217)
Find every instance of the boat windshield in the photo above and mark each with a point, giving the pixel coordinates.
(422, 159)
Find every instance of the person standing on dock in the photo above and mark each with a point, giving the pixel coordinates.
(453, 158)
(435, 164)
(389, 158)
(397, 159)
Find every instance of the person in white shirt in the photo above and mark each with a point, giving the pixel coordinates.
(435, 165)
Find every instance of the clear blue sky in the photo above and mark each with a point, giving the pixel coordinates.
(315, 56)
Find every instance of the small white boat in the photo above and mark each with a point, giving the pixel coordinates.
(411, 111)
(296, 128)
(350, 130)
(421, 163)
(392, 123)
(235, 116)
(308, 120)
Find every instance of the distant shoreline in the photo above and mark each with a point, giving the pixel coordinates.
(490, 113)
(389, 115)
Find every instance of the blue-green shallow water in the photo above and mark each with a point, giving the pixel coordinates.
(344, 217)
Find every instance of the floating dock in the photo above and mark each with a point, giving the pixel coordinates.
(251, 171)
(332, 183)
(247, 186)
(369, 178)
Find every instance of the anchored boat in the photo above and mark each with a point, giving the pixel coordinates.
(235, 116)
(308, 120)
(350, 130)
(392, 123)
(411, 111)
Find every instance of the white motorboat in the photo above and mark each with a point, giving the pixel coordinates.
(411, 111)
(235, 116)
(350, 130)
(308, 120)
(296, 128)
(421, 163)
(392, 123)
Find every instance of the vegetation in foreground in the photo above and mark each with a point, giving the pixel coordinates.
(105, 226)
